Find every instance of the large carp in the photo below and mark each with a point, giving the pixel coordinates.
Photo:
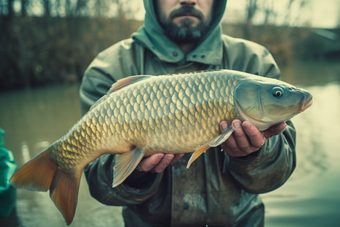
(143, 115)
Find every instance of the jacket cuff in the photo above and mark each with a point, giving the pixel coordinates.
(139, 186)
(265, 170)
(140, 192)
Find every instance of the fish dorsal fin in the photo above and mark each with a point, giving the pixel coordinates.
(125, 164)
(126, 82)
(212, 143)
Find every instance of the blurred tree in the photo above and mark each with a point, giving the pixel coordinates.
(2, 7)
(338, 24)
(101, 8)
(67, 7)
(72, 8)
(126, 9)
(47, 7)
(56, 7)
(251, 8)
(81, 7)
(10, 8)
(270, 25)
(24, 5)
(272, 12)
(268, 11)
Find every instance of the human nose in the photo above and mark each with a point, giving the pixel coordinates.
(188, 2)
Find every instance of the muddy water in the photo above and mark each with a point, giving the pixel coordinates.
(311, 197)
(35, 118)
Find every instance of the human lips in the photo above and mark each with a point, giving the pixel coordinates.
(193, 18)
(187, 15)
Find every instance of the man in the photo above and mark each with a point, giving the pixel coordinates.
(220, 188)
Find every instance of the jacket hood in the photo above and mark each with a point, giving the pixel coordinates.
(208, 51)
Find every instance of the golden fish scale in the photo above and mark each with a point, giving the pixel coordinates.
(173, 114)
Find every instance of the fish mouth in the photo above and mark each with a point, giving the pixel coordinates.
(308, 101)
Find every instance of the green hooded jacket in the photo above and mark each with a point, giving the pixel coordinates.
(217, 190)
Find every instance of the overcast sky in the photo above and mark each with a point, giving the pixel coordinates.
(326, 13)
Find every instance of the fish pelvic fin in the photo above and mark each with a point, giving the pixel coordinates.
(197, 153)
(125, 164)
(35, 175)
(212, 143)
(64, 193)
(222, 137)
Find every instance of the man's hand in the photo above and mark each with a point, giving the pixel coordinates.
(156, 163)
(246, 138)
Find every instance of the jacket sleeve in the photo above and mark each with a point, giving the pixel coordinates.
(271, 166)
(268, 168)
(109, 66)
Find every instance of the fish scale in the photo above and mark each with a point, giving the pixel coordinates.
(143, 115)
(149, 108)
(179, 101)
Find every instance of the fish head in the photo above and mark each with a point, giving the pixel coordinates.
(266, 102)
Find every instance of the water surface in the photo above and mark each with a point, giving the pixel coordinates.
(311, 197)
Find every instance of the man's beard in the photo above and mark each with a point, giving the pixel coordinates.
(185, 33)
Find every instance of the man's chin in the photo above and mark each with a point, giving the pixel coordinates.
(186, 21)
(185, 32)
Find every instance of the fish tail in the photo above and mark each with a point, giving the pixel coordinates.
(41, 173)
(64, 193)
(37, 174)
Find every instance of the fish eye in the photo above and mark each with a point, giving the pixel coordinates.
(277, 92)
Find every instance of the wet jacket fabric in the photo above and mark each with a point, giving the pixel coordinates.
(217, 190)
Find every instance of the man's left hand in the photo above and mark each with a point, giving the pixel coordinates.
(246, 138)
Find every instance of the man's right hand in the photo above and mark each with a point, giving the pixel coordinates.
(156, 163)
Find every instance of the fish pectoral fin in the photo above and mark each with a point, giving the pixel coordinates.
(221, 138)
(212, 143)
(64, 193)
(125, 164)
